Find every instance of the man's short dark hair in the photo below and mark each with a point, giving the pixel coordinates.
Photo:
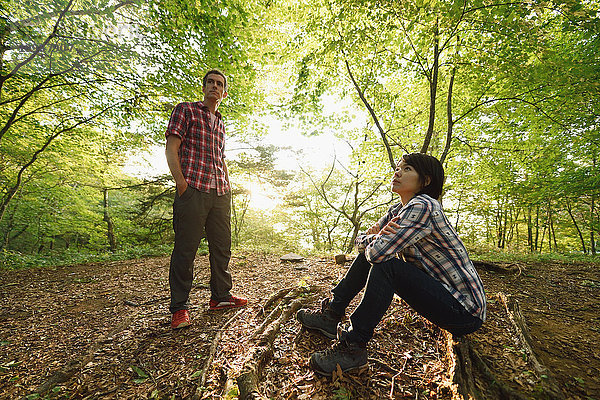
(215, 72)
(427, 166)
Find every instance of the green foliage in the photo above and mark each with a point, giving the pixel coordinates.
(84, 84)
(13, 260)
(492, 254)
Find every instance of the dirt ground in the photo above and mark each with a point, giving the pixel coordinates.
(101, 331)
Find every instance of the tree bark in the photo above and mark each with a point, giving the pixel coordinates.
(251, 370)
(110, 228)
(433, 82)
(382, 133)
(570, 211)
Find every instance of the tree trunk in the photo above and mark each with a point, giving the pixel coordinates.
(529, 230)
(537, 226)
(552, 231)
(458, 211)
(449, 110)
(570, 211)
(433, 82)
(110, 232)
(592, 238)
(382, 133)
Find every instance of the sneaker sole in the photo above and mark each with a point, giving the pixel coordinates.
(226, 307)
(319, 371)
(181, 325)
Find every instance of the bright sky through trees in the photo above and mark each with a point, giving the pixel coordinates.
(505, 94)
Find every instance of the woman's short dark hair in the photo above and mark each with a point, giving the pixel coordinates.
(215, 72)
(427, 166)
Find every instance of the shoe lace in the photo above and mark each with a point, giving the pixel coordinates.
(322, 312)
(340, 346)
(325, 304)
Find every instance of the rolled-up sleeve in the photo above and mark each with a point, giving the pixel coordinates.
(178, 121)
(414, 224)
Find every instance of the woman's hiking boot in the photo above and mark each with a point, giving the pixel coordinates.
(324, 320)
(350, 356)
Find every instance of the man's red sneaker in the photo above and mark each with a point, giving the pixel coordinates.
(180, 319)
(232, 302)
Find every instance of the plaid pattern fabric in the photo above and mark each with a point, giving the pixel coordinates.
(426, 239)
(202, 150)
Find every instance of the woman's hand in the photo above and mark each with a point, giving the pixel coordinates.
(390, 229)
(372, 230)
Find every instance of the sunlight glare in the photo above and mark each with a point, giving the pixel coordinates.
(262, 196)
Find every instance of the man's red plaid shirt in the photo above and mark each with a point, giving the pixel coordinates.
(202, 150)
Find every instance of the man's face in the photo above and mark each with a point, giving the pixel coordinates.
(214, 88)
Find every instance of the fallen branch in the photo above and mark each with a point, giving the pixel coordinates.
(274, 297)
(213, 349)
(251, 370)
(472, 377)
(516, 318)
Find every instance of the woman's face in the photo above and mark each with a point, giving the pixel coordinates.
(406, 181)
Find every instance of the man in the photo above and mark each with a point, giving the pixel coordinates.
(202, 206)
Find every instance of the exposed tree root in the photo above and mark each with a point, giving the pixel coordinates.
(469, 368)
(257, 357)
(503, 269)
(472, 377)
(261, 345)
(548, 384)
(275, 297)
(213, 349)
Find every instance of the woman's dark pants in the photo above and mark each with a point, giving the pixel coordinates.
(422, 292)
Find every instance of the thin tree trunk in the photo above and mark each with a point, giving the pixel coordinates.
(514, 226)
(458, 211)
(110, 228)
(382, 133)
(542, 239)
(529, 230)
(570, 211)
(537, 226)
(504, 227)
(592, 238)
(432, 89)
(449, 110)
(552, 226)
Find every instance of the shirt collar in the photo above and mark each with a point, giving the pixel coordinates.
(205, 108)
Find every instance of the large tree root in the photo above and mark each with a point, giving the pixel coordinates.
(473, 378)
(261, 345)
(259, 355)
(213, 347)
(468, 368)
(548, 384)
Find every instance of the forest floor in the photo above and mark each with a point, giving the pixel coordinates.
(101, 331)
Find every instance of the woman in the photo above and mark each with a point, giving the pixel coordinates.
(413, 252)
